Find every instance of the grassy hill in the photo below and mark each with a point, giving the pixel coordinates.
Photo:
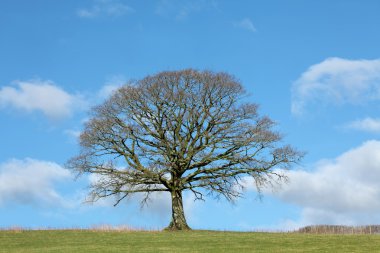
(78, 241)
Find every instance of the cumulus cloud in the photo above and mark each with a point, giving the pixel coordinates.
(112, 8)
(367, 125)
(31, 182)
(344, 190)
(337, 81)
(246, 24)
(39, 95)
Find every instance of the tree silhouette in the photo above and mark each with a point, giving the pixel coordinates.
(177, 131)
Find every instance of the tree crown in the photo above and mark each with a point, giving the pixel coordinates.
(180, 130)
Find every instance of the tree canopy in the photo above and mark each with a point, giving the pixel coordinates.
(180, 131)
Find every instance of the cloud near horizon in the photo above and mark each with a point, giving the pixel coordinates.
(39, 95)
(158, 206)
(344, 190)
(336, 81)
(32, 182)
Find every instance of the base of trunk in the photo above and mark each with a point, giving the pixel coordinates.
(178, 227)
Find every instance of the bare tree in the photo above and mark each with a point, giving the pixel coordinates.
(178, 131)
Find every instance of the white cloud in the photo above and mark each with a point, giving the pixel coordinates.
(342, 191)
(182, 9)
(105, 8)
(246, 24)
(337, 81)
(38, 95)
(72, 133)
(111, 85)
(31, 182)
(367, 125)
(107, 90)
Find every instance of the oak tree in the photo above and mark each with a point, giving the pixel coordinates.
(180, 131)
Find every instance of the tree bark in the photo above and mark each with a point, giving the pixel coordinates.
(178, 221)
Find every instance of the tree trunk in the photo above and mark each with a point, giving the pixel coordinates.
(178, 221)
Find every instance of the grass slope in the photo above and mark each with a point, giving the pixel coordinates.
(193, 241)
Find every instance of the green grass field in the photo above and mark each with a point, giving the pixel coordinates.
(76, 241)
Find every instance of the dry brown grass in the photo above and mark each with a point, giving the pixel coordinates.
(93, 228)
(338, 229)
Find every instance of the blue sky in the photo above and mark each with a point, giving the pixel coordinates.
(313, 66)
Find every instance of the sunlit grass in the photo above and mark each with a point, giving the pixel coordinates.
(193, 241)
